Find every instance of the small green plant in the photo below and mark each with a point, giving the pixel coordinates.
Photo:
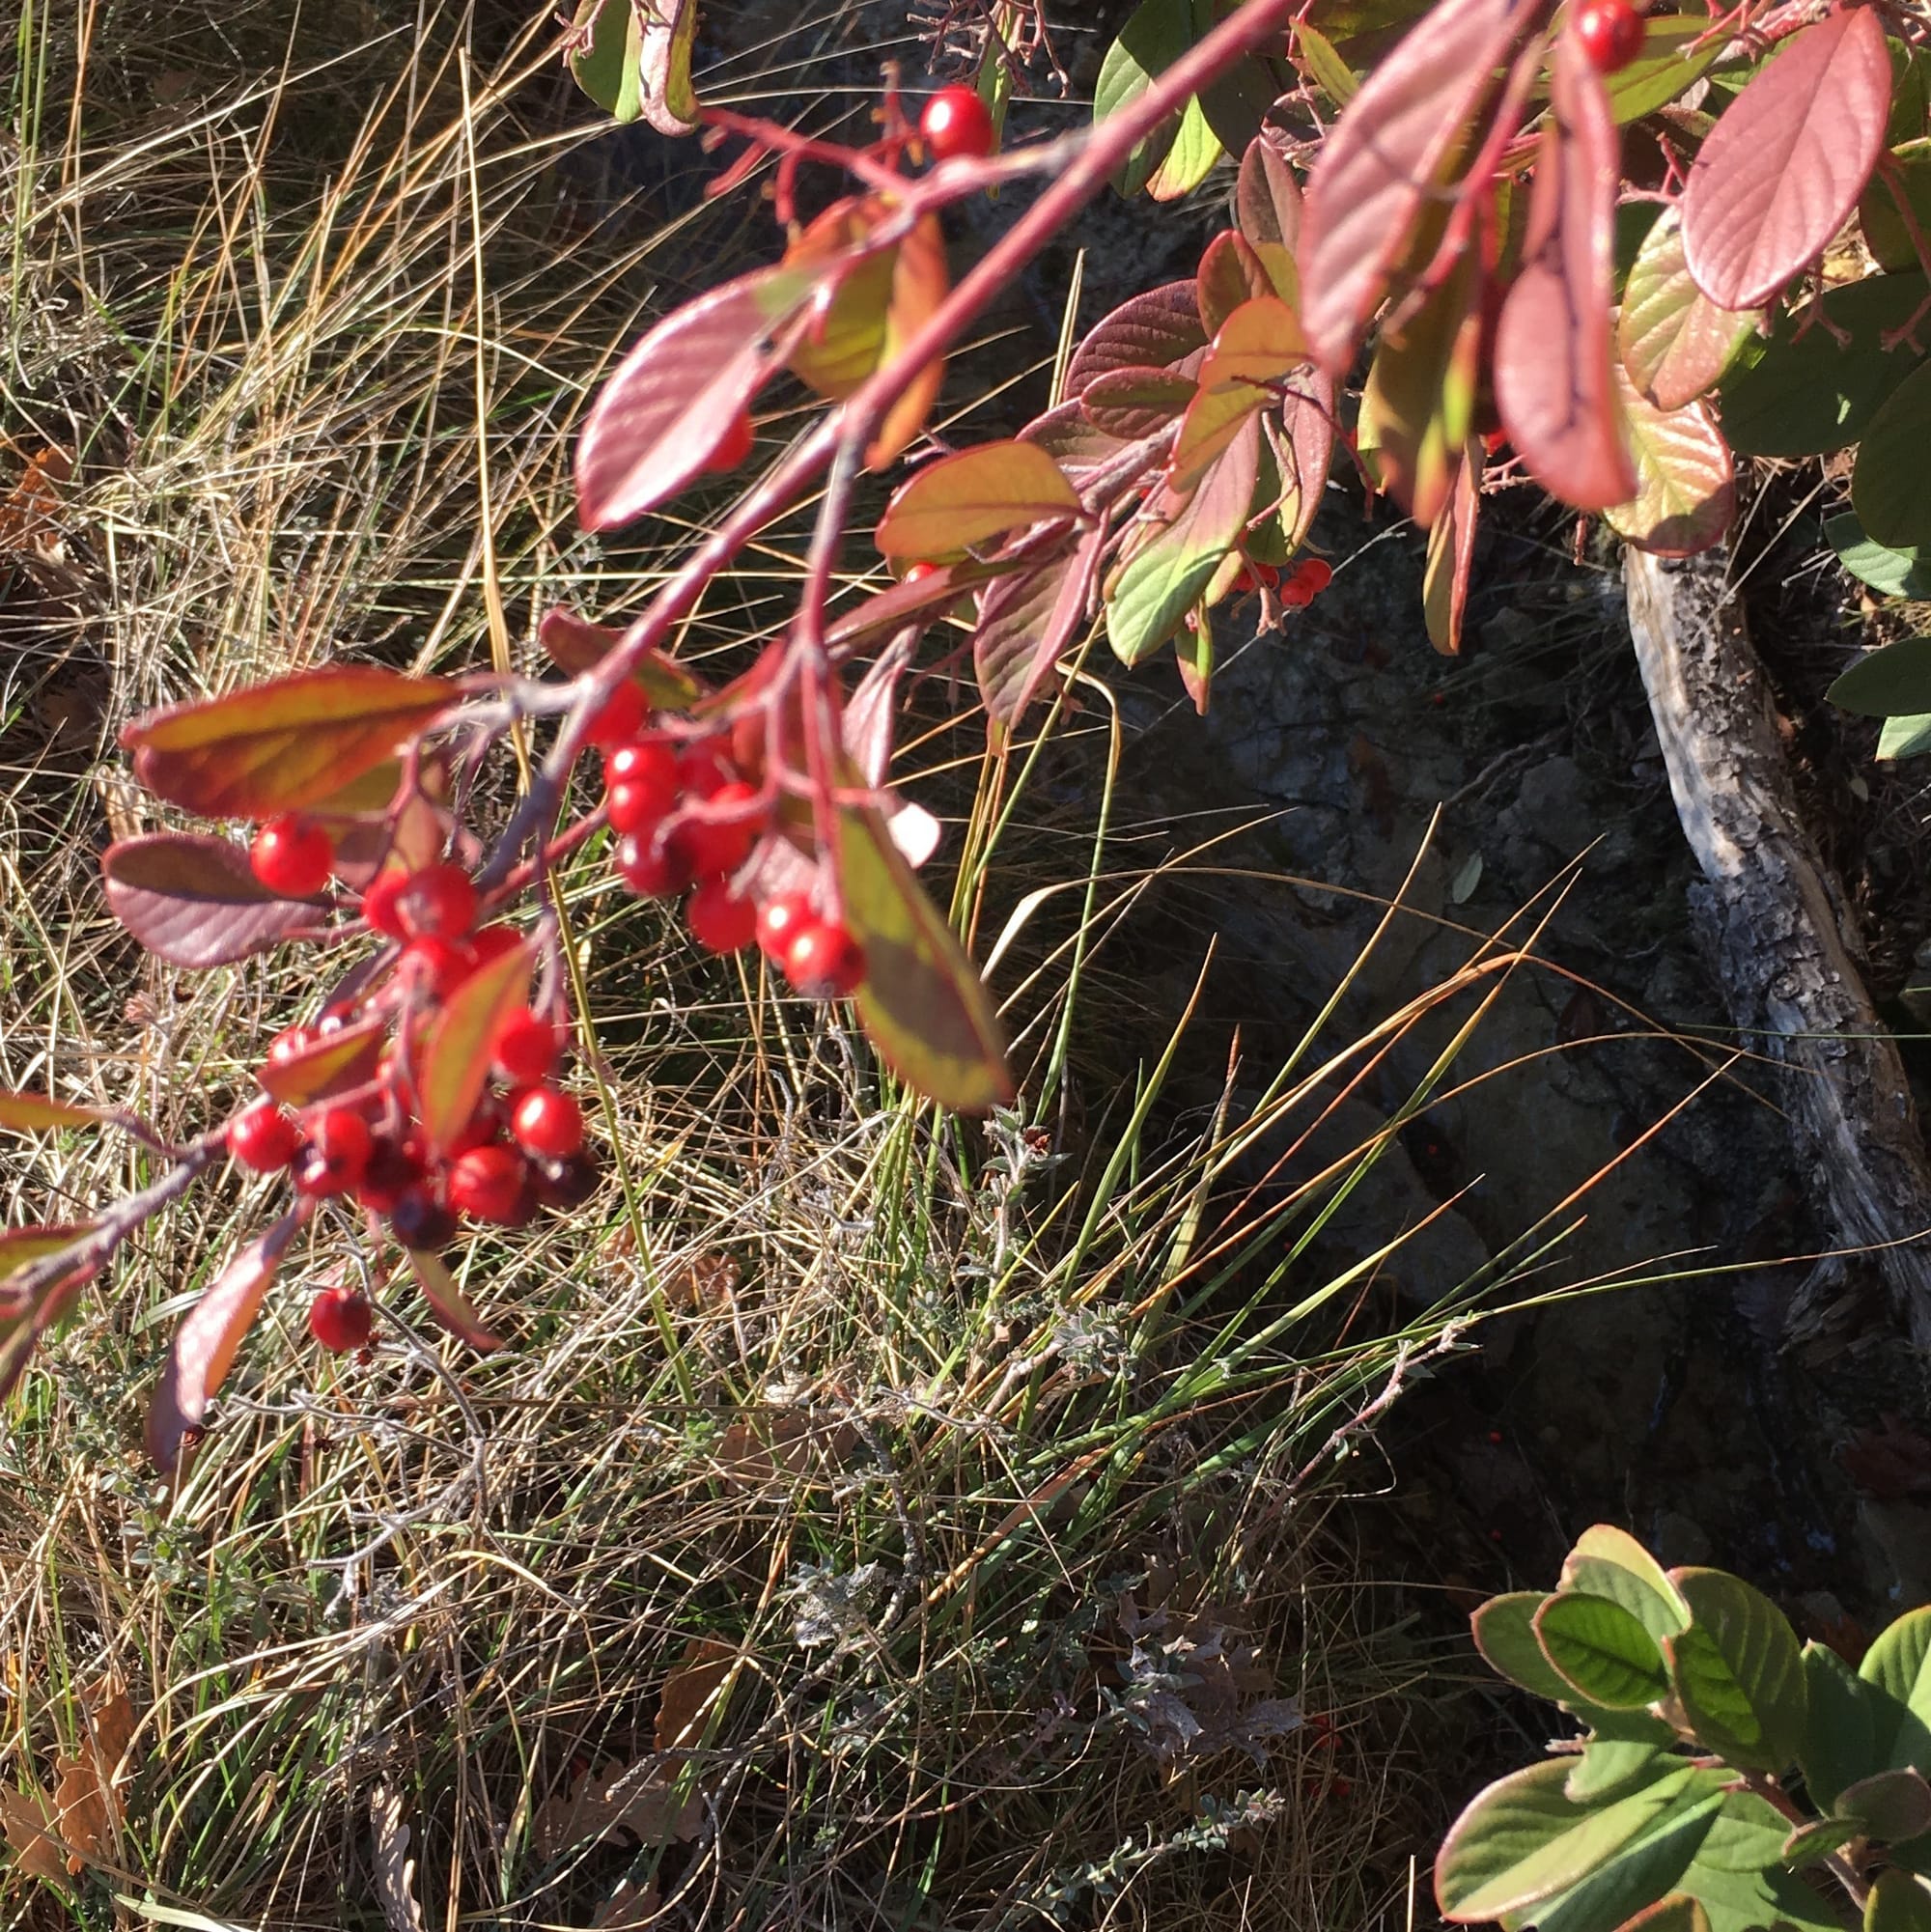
(1723, 1766)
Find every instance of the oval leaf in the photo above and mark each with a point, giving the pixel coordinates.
(1685, 488)
(1665, 67)
(1889, 1804)
(343, 1060)
(455, 1066)
(1601, 1651)
(1890, 487)
(1025, 623)
(1787, 160)
(20, 1245)
(1897, 1902)
(1892, 682)
(1378, 165)
(448, 1303)
(195, 900)
(1890, 573)
(1738, 1671)
(675, 397)
(1674, 341)
(1552, 352)
(1610, 1562)
(1840, 1734)
(1266, 206)
(1505, 1632)
(205, 1344)
(1128, 404)
(279, 746)
(1155, 330)
(1231, 272)
(968, 498)
(577, 645)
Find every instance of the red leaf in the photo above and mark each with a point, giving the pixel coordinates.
(1553, 351)
(280, 746)
(195, 900)
(455, 1064)
(1451, 556)
(20, 1245)
(343, 1060)
(912, 603)
(1309, 422)
(1787, 160)
(676, 394)
(1381, 162)
(979, 494)
(1076, 444)
(1267, 204)
(1686, 491)
(34, 1113)
(448, 1302)
(1156, 330)
(1128, 404)
(205, 1345)
(1231, 272)
(1025, 624)
(576, 645)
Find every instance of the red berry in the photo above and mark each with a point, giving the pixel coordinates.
(290, 1044)
(292, 857)
(736, 445)
(567, 1183)
(920, 571)
(341, 1319)
(263, 1138)
(779, 918)
(381, 910)
(524, 1048)
(704, 769)
(1313, 574)
(490, 943)
(650, 761)
(492, 1184)
(718, 847)
(650, 868)
(1611, 32)
(394, 1167)
(621, 718)
(337, 1154)
(823, 960)
(440, 900)
(441, 964)
(720, 921)
(421, 1221)
(956, 121)
(548, 1121)
(483, 1128)
(635, 808)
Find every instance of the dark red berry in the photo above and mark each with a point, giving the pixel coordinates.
(439, 900)
(716, 848)
(292, 857)
(620, 719)
(567, 1183)
(421, 1221)
(524, 1048)
(337, 1152)
(546, 1121)
(1611, 32)
(441, 965)
(395, 1167)
(823, 960)
(736, 447)
(720, 920)
(290, 1044)
(635, 808)
(779, 918)
(956, 121)
(650, 868)
(380, 908)
(341, 1319)
(492, 1184)
(263, 1138)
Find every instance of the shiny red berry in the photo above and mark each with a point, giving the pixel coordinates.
(492, 1184)
(438, 966)
(292, 857)
(1611, 32)
(704, 769)
(620, 719)
(779, 918)
(341, 1319)
(439, 900)
(716, 847)
(920, 571)
(720, 920)
(548, 1121)
(650, 868)
(823, 960)
(650, 761)
(263, 1138)
(524, 1048)
(736, 445)
(381, 910)
(337, 1152)
(956, 121)
(635, 808)
(395, 1167)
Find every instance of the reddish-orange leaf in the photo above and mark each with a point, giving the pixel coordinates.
(1451, 556)
(1267, 204)
(1783, 168)
(448, 1302)
(1381, 160)
(456, 1060)
(1308, 417)
(1420, 395)
(343, 1060)
(577, 645)
(1231, 272)
(1685, 488)
(1159, 329)
(1552, 352)
(921, 280)
(911, 603)
(195, 900)
(1128, 404)
(282, 746)
(34, 1113)
(210, 1334)
(968, 498)
(1259, 344)
(1027, 622)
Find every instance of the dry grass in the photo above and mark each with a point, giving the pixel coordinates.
(920, 1517)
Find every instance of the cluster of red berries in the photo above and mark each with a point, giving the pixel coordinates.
(664, 847)
(1297, 590)
(1611, 32)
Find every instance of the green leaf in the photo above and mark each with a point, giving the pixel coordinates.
(1610, 1766)
(1165, 576)
(1640, 1875)
(455, 1066)
(281, 746)
(1673, 340)
(1521, 1840)
(1893, 681)
(1610, 1562)
(1897, 1669)
(1897, 1902)
(1890, 486)
(1905, 737)
(1748, 1835)
(1890, 1804)
(1886, 235)
(1746, 1901)
(1190, 158)
(670, 28)
(610, 69)
(922, 1003)
(1664, 68)
(1686, 495)
(970, 498)
(1331, 75)
(1601, 1650)
(1811, 1844)
(1505, 1632)
(1893, 573)
(1678, 1912)
(1841, 1726)
(1814, 391)
(1738, 1671)
(1156, 36)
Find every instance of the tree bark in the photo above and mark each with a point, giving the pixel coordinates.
(1780, 925)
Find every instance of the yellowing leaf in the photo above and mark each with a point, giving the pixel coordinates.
(968, 498)
(18, 1246)
(448, 1303)
(282, 746)
(575, 644)
(1685, 488)
(456, 1058)
(1258, 344)
(344, 1059)
(34, 1113)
